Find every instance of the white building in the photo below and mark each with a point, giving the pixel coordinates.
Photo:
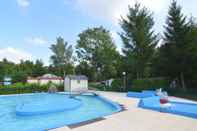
(7, 80)
(75, 83)
(45, 79)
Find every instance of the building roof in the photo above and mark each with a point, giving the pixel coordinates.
(77, 77)
(46, 77)
(50, 77)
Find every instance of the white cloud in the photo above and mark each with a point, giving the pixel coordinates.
(14, 55)
(36, 41)
(113, 9)
(116, 38)
(23, 3)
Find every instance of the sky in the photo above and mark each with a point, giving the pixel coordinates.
(29, 27)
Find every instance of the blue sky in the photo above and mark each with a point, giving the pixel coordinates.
(29, 27)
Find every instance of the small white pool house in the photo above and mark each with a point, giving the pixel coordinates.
(75, 83)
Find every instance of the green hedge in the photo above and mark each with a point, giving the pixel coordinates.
(20, 88)
(116, 85)
(149, 84)
(137, 85)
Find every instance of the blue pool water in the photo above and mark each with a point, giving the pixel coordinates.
(92, 107)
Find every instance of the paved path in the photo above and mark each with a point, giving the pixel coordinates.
(136, 119)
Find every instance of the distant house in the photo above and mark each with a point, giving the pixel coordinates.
(45, 79)
(32, 80)
(7, 80)
(76, 83)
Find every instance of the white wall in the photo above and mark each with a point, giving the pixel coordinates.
(76, 85)
(32, 81)
(44, 81)
(81, 85)
(66, 84)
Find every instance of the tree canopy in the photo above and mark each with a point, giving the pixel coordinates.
(62, 56)
(96, 46)
(175, 57)
(20, 72)
(138, 38)
(97, 56)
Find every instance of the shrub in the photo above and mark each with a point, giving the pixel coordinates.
(149, 84)
(20, 88)
(116, 85)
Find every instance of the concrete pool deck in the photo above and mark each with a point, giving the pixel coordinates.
(136, 119)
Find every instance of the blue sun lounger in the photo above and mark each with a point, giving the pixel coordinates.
(143, 94)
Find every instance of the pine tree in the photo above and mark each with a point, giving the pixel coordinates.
(173, 52)
(139, 38)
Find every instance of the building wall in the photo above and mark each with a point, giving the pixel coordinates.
(66, 84)
(76, 85)
(32, 81)
(79, 85)
(44, 81)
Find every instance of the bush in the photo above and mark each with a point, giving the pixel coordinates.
(20, 88)
(137, 85)
(149, 84)
(117, 85)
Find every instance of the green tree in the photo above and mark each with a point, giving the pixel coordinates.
(6, 68)
(192, 54)
(19, 76)
(62, 55)
(83, 68)
(26, 66)
(96, 46)
(174, 52)
(38, 69)
(139, 39)
(18, 72)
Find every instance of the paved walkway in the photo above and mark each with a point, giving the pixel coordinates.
(136, 119)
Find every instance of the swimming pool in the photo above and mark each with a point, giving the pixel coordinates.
(92, 107)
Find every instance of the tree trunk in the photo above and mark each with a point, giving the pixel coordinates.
(138, 75)
(183, 81)
(64, 73)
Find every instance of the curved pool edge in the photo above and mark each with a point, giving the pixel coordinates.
(27, 109)
(10, 95)
(108, 101)
(115, 105)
